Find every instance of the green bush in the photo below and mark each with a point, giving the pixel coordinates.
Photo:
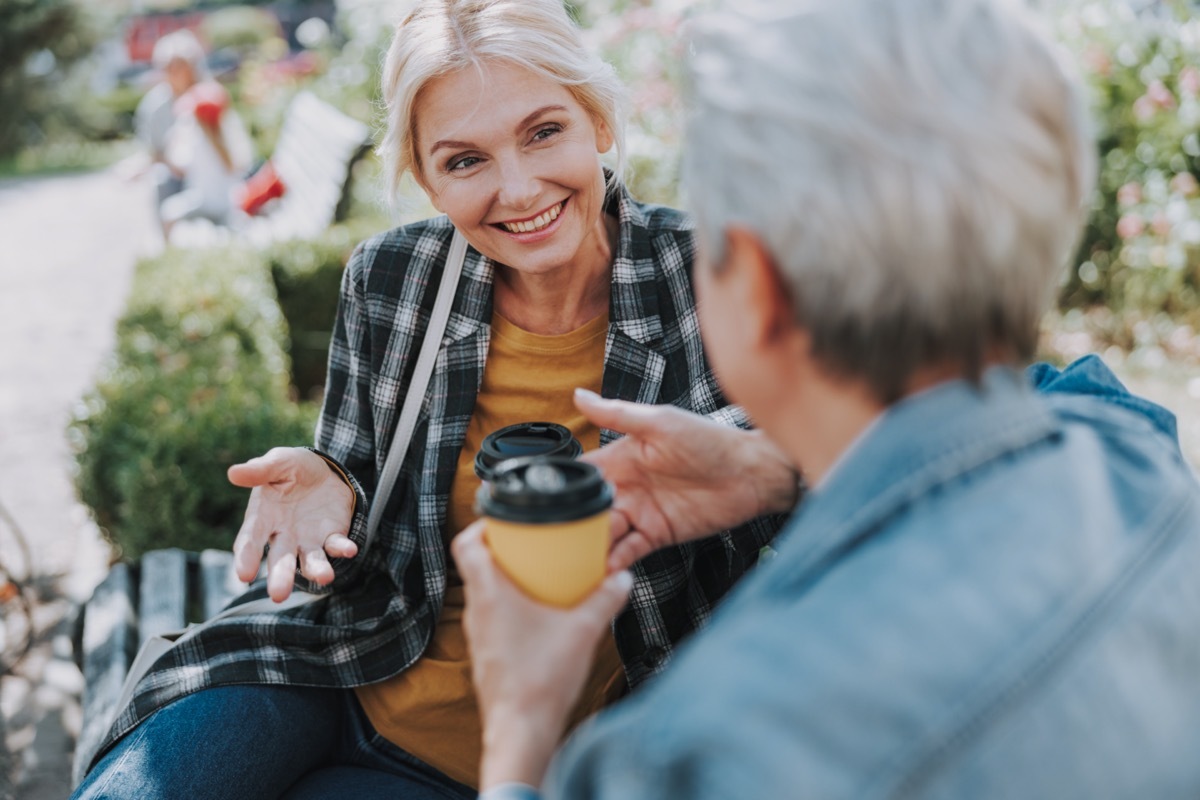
(39, 40)
(198, 381)
(1141, 249)
(307, 276)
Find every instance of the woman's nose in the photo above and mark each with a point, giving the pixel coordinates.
(519, 189)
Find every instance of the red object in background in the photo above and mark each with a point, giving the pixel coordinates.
(142, 33)
(207, 100)
(261, 188)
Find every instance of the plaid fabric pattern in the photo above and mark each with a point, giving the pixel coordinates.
(380, 612)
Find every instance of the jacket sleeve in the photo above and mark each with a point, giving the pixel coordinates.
(345, 430)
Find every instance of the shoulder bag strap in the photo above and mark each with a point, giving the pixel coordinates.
(415, 397)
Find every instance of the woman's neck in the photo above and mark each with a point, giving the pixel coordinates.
(563, 300)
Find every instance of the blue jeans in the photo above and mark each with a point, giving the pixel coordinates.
(263, 742)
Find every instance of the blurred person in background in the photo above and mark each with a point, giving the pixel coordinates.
(197, 149)
(502, 116)
(991, 589)
(209, 151)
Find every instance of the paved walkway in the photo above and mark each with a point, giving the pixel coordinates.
(67, 249)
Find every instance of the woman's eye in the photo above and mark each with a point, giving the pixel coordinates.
(465, 162)
(542, 134)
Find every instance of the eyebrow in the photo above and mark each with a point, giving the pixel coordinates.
(525, 123)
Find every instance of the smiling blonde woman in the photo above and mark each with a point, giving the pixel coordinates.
(501, 115)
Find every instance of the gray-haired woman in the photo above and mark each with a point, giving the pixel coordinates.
(501, 115)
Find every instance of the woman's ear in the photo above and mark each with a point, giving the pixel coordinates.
(760, 285)
(604, 135)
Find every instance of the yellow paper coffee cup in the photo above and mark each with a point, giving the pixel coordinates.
(546, 522)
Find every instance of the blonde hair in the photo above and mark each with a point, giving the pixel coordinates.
(440, 37)
(917, 169)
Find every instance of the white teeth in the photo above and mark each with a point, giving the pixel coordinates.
(536, 224)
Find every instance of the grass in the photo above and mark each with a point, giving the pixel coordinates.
(60, 157)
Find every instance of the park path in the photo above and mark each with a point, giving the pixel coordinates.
(68, 245)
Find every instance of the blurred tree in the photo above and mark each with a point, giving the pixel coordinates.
(38, 40)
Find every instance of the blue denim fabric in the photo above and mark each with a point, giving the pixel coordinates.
(997, 594)
(263, 742)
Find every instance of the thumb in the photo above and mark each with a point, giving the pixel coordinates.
(249, 474)
(470, 553)
(604, 603)
(267, 468)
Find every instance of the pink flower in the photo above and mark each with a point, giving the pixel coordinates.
(1160, 94)
(1130, 226)
(1189, 81)
(1144, 108)
(1097, 61)
(1130, 194)
(1160, 224)
(1185, 184)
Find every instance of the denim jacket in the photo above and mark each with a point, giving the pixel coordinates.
(997, 594)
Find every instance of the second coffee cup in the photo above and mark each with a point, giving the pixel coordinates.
(546, 521)
(524, 439)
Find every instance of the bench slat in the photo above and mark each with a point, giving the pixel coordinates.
(314, 156)
(162, 604)
(108, 648)
(218, 582)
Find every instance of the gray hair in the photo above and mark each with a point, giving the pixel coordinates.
(181, 45)
(440, 37)
(916, 168)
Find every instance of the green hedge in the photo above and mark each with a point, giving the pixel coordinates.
(307, 277)
(199, 380)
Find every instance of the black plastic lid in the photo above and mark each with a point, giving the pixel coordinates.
(524, 439)
(544, 489)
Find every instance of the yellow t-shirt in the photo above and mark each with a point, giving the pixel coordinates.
(430, 710)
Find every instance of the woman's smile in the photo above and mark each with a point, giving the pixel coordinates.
(537, 227)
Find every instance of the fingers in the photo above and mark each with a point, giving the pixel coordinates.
(247, 556)
(603, 604)
(617, 415)
(281, 568)
(628, 551)
(315, 563)
(315, 566)
(340, 546)
(248, 546)
(471, 554)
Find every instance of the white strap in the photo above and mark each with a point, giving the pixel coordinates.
(420, 383)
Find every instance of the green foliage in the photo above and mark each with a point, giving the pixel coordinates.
(38, 40)
(199, 381)
(1140, 253)
(307, 275)
(239, 27)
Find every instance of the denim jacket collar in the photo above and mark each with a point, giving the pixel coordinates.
(916, 445)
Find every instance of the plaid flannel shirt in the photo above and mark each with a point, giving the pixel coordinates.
(380, 611)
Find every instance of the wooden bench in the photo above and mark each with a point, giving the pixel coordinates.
(165, 591)
(314, 156)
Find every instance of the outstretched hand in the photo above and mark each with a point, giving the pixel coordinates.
(298, 506)
(679, 476)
